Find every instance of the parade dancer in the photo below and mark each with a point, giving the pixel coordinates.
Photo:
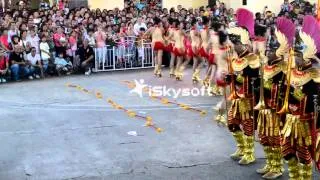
(240, 115)
(273, 75)
(216, 45)
(158, 44)
(179, 48)
(204, 49)
(171, 31)
(194, 51)
(302, 84)
(222, 55)
(187, 58)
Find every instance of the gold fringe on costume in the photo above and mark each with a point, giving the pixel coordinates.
(297, 130)
(268, 123)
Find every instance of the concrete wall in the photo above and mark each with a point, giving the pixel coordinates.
(106, 4)
(185, 3)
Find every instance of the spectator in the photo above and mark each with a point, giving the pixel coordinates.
(72, 45)
(45, 53)
(34, 62)
(4, 66)
(12, 32)
(286, 6)
(18, 65)
(33, 39)
(62, 65)
(100, 37)
(91, 39)
(130, 29)
(139, 24)
(44, 5)
(86, 56)
(4, 40)
(59, 39)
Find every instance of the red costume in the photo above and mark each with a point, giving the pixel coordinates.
(158, 45)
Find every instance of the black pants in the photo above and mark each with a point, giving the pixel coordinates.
(86, 66)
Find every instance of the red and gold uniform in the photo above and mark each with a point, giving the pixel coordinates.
(299, 131)
(269, 122)
(240, 115)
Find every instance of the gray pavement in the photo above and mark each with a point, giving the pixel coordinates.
(51, 132)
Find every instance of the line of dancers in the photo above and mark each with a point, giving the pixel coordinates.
(200, 46)
(272, 92)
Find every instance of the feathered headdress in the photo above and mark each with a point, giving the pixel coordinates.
(285, 33)
(245, 27)
(244, 35)
(245, 19)
(310, 35)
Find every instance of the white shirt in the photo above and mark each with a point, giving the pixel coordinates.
(34, 42)
(33, 59)
(136, 28)
(45, 47)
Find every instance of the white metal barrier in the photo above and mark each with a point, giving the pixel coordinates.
(126, 55)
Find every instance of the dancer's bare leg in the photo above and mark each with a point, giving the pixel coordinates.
(159, 61)
(183, 66)
(156, 66)
(213, 87)
(172, 61)
(179, 63)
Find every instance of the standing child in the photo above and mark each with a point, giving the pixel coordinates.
(45, 52)
(100, 37)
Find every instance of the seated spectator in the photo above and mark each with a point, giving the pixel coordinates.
(18, 65)
(62, 65)
(45, 53)
(34, 62)
(4, 66)
(86, 55)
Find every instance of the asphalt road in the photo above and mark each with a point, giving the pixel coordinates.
(51, 132)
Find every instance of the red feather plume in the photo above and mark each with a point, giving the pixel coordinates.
(311, 27)
(245, 19)
(286, 27)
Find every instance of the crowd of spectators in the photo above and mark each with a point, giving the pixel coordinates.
(57, 40)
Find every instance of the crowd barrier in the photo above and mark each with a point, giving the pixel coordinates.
(127, 54)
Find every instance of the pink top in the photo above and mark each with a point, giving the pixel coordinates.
(61, 5)
(100, 38)
(73, 43)
(4, 41)
(56, 39)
